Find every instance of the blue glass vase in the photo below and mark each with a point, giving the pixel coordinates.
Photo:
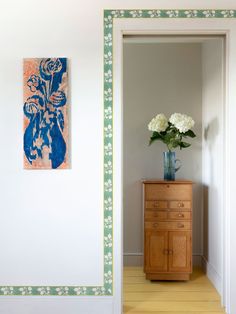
(170, 165)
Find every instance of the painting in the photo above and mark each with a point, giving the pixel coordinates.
(45, 113)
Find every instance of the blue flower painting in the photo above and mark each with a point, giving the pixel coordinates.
(45, 113)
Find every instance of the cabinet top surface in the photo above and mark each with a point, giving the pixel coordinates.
(161, 181)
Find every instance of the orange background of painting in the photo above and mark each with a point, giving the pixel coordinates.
(31, 67)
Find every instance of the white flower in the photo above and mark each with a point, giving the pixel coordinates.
(7, 290)
(191, 13)
(108, 94)
(228, 13)
(209, 13)
(173, 13)
(182, 122)
(108, 258)
(154, 13)
(108, 240)
(108, 277)
(108, 76)
(25, 290)
(118, 13)
(108, 167)
(44, 290)
(108, 113)
(80, 290)
(99, 291)
(136, 13)
(62, 290)
(108, 21)
(108, 185)
(108, 40)
(108, 58)
(158, 124)
(108, 222)
(108, 204)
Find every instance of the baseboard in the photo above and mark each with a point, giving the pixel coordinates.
(136, 259)
(133, 259)
(197, 260)
(212, 274)
(59, 305)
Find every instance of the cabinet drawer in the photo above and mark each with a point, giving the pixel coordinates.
(153, 214)
(168, 191)
(180, 204)
(168, 225)
(179, 215)
(156, 204)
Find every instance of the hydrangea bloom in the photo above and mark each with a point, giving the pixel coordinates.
(182, 122)
(158, 124)
(172, 132)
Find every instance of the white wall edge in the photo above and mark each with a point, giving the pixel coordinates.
(161, 26)
(226, 299)
(118, 172)
(213, 275)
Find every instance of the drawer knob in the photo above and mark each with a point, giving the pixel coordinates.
(180, 215)
(181, 204)
(180, 225)
(170, 252)
(165, 251)
(155, 225)
(156, 204)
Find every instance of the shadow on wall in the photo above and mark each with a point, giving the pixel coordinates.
(211, 132)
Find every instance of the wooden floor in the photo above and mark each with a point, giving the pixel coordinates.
(197, 296)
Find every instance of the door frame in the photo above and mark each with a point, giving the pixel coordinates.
(136, 26)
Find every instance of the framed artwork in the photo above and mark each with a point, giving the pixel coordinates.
(45, 113)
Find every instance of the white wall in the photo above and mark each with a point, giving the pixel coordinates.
(158, 78)
(49, 225)
(213, 68)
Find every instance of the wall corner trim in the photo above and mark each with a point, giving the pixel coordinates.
(213, 275)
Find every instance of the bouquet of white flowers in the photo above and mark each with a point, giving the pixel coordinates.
(173, 131)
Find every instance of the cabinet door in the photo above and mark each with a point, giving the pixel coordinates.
(180, 257)
(156, 251)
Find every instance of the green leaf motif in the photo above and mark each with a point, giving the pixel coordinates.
(189, 133)
(155, 136)
(184, 145)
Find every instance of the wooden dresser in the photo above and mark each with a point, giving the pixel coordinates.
(167, 229)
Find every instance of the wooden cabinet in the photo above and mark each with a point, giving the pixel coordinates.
(167, 229)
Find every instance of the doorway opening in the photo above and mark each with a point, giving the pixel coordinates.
(169, 74)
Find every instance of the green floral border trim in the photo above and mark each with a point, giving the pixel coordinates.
(107, 288)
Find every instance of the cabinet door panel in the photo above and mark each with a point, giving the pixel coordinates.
(156, 251)
(180, 257)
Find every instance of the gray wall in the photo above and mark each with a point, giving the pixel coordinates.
(213, 154)
(158, 78)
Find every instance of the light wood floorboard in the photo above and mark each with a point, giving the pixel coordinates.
(197, 296)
